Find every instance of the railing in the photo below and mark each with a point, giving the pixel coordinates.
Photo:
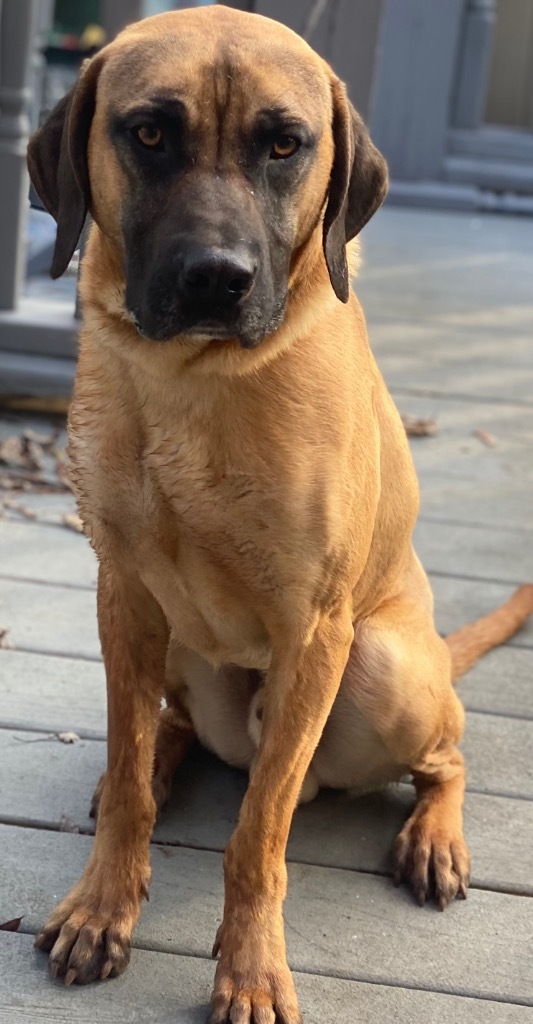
(38, 324)
(17, 30)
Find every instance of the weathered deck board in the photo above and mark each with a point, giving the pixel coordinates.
(54, 620)
(57, 693)
(161, 988)
(63, 620)
(497, 750)
(52, 693)
(458, 601)
(57, 555)
(469, 551)
(45, 782)
(449, 306)
(501, 682)
(338, 922)
(53, 554)
(452, 358)
(499, 754)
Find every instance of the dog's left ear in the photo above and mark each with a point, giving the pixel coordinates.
(57, 162)
(357, 187)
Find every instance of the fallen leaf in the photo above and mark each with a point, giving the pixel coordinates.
(11, 452)
(67, 825)
(22, 510)
(6, 644)
(486, 438)
(34, 453)
(21, 452)
(67, 737)
(415, 427)
(73, 522)
(11, 926)
(44, 440)
(32, 462)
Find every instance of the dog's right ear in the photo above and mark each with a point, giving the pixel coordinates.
(57, 162)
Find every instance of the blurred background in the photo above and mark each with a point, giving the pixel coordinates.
(446, 88)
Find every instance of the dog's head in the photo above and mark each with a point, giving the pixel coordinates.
(209, 146)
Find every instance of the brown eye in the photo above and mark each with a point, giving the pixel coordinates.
(284, 147)
(149, 135)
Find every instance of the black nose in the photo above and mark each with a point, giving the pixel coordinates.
(218, 276)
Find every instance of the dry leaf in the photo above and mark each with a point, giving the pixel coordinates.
(67, 825)
(73, 522)
(67, 737)
(28, 458)
(33, 453)
(415, 427)
(6, 644)
(21, 452)
(486, 438)
(11, 452)
(11, 926)
(44, 440)
(22, 510)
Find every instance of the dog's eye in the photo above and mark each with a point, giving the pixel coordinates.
(149, 136)
(284, 146)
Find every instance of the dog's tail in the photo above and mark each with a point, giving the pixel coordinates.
(468, 644)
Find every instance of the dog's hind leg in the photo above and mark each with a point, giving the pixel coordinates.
(430, 851)
(175, 735)
(431, 842)
(399, 677)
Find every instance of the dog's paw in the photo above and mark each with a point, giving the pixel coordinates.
(253, 984)
(85, 944)
(433, 860)
(88, 936)
(238, 1002)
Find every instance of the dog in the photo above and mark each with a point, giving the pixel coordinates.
(244, 478)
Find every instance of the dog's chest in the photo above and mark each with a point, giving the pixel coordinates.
(208, 612)
(225, 540)
(209, 553)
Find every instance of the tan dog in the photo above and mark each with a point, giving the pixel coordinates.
(244, 478)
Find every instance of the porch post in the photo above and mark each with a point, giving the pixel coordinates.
(474, 62)
(18, 21)
(413, 85)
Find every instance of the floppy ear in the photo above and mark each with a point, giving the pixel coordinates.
(57, 162)
(357, 187)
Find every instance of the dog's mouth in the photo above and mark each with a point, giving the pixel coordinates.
(202, 334)
(248, 331)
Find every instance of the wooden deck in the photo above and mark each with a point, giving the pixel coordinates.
(450, 307)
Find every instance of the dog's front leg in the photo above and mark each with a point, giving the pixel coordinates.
(252, 981)
(88, 935)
